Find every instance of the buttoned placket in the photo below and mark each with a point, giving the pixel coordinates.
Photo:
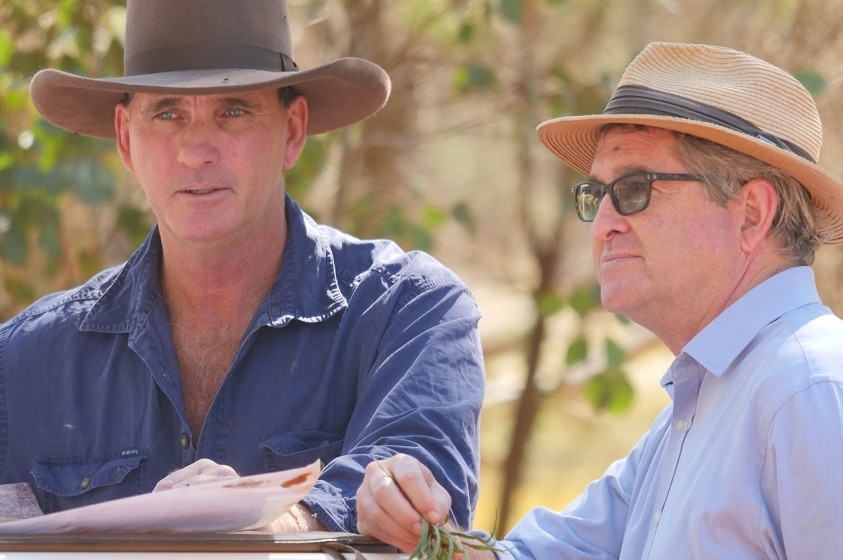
(687, 376)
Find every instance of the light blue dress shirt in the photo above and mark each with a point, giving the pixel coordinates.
(360, 350)
(747, 461)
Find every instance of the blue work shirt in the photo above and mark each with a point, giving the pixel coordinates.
(360, 350)
(746, 461)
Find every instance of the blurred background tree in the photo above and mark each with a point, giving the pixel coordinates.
(451, 166)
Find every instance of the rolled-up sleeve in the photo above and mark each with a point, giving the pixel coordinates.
(413, 330)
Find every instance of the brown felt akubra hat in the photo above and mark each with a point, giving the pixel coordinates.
(195, 47)
(721, 95)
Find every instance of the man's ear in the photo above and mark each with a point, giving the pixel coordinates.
(121, 126)
(296, 130)
(760, 202)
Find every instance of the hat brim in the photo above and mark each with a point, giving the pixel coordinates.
(340, 93)
(574, 141)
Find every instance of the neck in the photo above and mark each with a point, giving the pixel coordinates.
(680, 330)
(220, 281)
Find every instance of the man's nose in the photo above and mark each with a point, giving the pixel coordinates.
(607, 220)
(198, 144)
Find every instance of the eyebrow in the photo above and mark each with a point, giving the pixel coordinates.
(162, 104)
(170, 102)
(234, 101)
(625, 170)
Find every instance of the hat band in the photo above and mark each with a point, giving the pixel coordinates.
(641, 100)
(205, 57)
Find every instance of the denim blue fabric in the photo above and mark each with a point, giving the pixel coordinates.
(360, 350)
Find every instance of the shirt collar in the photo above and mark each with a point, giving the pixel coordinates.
(306, 289)
(721, 341)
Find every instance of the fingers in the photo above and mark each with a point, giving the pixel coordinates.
(383, 512)
(393, 493)
(419, 487)
(203, 470)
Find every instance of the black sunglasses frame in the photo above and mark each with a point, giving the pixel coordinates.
(599, 190)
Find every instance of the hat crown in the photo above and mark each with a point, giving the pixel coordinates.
(168, 35)
(735, 82)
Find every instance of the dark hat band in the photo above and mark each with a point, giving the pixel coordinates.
(197, 57)
(641, 100)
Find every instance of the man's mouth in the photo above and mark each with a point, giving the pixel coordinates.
(200, 191)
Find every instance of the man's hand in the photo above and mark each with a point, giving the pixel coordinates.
(393, 493)
(297, 519)
(203, 470)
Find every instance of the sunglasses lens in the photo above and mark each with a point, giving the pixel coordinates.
(631, 195)
(587, 198)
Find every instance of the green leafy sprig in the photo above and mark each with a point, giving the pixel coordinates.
(437, 543)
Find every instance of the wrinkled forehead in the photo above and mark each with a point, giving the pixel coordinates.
(630, 149)
(162, 101)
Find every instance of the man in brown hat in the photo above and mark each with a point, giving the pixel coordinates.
(706, 205)
(241, 337)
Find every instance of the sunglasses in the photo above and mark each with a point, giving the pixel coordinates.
(630, 194)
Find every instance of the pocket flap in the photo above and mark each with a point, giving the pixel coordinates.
(74, 475)
(296, 449)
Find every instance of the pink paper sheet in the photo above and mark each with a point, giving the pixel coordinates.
(233, 504)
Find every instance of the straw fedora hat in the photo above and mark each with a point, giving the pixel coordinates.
(191, 47)
(721, 95)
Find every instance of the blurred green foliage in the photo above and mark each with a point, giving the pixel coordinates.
(43, 169)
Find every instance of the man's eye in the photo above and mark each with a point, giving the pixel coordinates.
(235, 112)
(166, 116)
(632, 185)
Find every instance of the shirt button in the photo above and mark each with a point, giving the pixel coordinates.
(85, 483)
(657, 516)
(185, 441)
(683, 425)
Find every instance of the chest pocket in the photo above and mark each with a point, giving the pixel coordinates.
(64, 482)
(297, 449)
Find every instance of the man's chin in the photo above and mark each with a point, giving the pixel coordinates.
(617, 302)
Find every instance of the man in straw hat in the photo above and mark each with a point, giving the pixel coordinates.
(706, 205)
(241, 337)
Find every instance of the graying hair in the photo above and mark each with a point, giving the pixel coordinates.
(726, 170)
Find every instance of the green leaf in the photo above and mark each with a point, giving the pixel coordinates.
(7, 49)
(584, 300)
(432, 216)
(474, 77)
(610, 391)
(813, 80)
(614, 354)
(7, 159)
(511, 10)
(466, 32)
(397, 226)
(462, 214)
(418, 237)
(577, 351)
(549, 303)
